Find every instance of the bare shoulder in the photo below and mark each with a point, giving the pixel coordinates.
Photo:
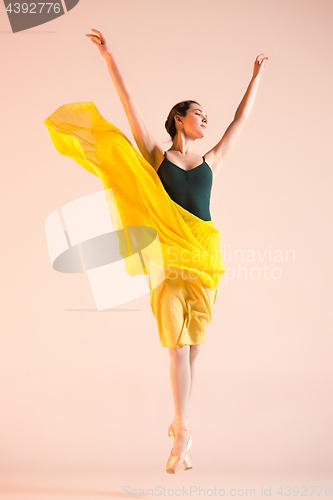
(213, 161)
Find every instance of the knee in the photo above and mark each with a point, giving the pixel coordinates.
(195, 349)
(179, 354)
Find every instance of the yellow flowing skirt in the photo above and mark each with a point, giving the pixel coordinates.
(139, 204)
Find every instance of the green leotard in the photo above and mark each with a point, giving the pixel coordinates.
(191, 189)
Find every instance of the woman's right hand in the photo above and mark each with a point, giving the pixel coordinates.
(100, 41)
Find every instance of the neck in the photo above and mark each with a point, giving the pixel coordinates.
(183, 144)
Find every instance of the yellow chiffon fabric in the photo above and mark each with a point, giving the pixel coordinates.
(136, 197)
(182, 306)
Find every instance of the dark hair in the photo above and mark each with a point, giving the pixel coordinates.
(179, 109)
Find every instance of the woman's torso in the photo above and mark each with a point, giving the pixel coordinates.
(190, 187)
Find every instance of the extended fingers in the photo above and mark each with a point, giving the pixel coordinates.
(93, 36)
(96, 39)
(99, 33)
(259, 59)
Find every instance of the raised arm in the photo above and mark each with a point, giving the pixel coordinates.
(217, 155)
(148, 146)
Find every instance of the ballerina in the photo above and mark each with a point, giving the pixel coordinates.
(175, 187)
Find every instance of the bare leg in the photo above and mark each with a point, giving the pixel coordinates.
(194, 351)
(180, 375)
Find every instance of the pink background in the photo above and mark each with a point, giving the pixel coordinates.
(85, 396)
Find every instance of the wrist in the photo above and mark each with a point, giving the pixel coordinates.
(107, 56)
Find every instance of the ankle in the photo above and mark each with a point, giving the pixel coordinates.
(180, 417)
(180, 421)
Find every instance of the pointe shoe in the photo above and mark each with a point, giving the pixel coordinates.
(188, 462)
(175, 461)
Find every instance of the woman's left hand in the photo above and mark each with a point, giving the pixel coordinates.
(259, 65)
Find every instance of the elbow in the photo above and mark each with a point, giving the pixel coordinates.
(241, 117)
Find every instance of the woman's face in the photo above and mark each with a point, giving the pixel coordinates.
(195, 122)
